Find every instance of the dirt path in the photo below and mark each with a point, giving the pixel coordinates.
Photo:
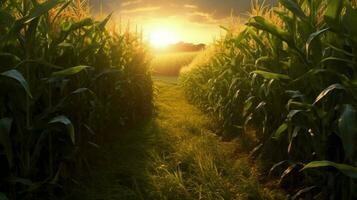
(175, 157)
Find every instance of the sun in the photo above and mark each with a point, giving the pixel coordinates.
(161, 38)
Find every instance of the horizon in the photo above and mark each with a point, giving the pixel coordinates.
(169, 22)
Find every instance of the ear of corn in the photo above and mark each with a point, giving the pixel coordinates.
(291, 75)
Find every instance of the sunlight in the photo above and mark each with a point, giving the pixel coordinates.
(161, 38)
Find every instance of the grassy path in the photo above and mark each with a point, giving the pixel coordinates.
(175, 156)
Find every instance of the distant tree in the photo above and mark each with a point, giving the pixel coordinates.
(183, 46)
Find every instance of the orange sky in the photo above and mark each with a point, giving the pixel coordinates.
(195, 21)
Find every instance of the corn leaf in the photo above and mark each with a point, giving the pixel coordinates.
(270, 75)
(69, 71)
(294, 8)
(301, 192)
(17, 76)
(333, 12)
(6, 20)
(276, 165)
(347, 170)
(331, 58)
(262, 24)
(5, 141)
(224, 28)
(3, 196)
(313, 36)
(14, 58)
(287, 172)
(67, 123)
(282, 128)
(327, 91)
(102, 24)
(347, 125)
(350, 21)
(69, 26)
(22, 181)
(41, 9)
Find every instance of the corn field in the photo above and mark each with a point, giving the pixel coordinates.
(288, 77)
(283, 86)
(67, 86)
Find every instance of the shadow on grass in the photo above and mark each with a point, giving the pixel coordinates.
(176, 156)
(120, 169)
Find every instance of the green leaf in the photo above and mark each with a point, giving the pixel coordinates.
(248, 104)
(270, 75)
(342, 51)
(104, 22)
(224, 28)
(302, 192)
(105, 73)
(70, 71)
(22, 181)
(350, 21)
(343, 168)
(328, 90)
(69, 27)
(255, 36)
(276, 165)
(294, 8)
(41, 9)
(13, 57)
(333, 12)
(31, 186)
(40, 62)
(17, 76)
(82, 90)
(5, 141)
(347, 125)
(313, 36)
(6, 20)
(262, 24)
(280, 130)
(67, 123)
(287, 172)
(331, 58)
(3, 196)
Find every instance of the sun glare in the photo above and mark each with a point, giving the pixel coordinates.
(161, 38)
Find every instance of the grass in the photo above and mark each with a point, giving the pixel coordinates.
(174, 156)
(170, 64)
(120, 170)
(191, 162)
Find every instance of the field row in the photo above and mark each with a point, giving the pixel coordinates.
(68, 85)
(286, 84)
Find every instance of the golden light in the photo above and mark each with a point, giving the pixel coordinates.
(161, 38)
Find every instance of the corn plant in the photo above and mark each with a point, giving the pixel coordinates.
(290, 74)
(68, 85)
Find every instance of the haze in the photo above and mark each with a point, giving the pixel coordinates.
(166, 22)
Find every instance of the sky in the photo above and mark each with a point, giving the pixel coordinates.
(195, 21)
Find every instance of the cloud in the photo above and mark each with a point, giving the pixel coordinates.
(130, 3)
(197, 11)
(193, 20)
(219, 8)
(201, 17)
(190, 6)
(140, 10)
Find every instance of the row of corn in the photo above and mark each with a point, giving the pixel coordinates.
(67, 86)
(289, 77)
